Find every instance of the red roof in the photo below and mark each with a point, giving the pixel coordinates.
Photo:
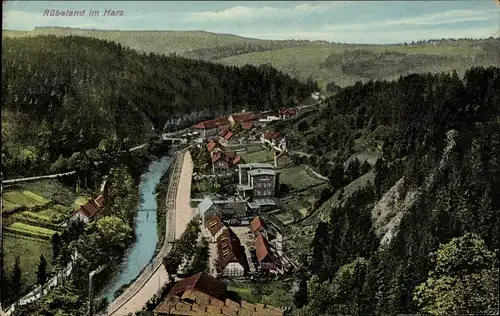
(212, 144)
(229, 156)
(247, 125)
(257, 223)
(226, 134)
(237, 160)
(214, 224)
(229, 250)
(89, 209)
(271, 135)
(245, 117)
(290, 111)
(213, 123)
(202, 282)
(262, 248)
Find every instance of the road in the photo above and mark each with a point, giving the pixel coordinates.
(179, 214)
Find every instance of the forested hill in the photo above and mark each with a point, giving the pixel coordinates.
(61, 95)
(424, 235)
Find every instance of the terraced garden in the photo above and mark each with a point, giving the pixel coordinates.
(32, 213)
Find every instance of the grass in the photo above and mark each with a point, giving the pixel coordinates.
(29, 251)
(297, 178)
(262, 155)
(284, 217)
(276, 293)
(7, 206)
(27, 198)
(30, 229)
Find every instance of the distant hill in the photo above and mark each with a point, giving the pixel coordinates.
(323, 61)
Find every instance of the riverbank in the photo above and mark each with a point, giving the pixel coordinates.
(178, 217)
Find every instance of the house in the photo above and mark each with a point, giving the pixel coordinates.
(226, 137)
(211, 128)
(248, 125)
(224, 209)
(267, 257)
(89, 211)
(204, 295)
(281, 159)
(273, 139)
(257, 226)
(213, 146)
(243, 117)
(214, 226)
(285, 114)
(231, 258)
(258, 180)
(263, 182)
(208, 208)
(225, 162)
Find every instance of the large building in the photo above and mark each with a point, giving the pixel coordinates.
(258, 180)
(225, 162)
(211, 128)
(204, 295)
(231, 258)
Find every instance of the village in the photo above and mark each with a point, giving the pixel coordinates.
(236, 206)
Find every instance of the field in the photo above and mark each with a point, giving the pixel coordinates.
(275, 293)
(27, 232)
(31, 230)
(261, 155)
(28, 250)
(297, 178)
(29, 199)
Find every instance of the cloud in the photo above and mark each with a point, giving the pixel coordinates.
(447, 17)
(239, 13)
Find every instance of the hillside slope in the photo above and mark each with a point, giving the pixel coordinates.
(65, 95)
(325, 62)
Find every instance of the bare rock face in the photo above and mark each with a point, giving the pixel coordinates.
(389, 210)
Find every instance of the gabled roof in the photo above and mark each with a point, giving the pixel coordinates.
(214, 224)
(257, 165)
(271, 135)
(205, 204)
(212, 144)
(89, 209)
(290, 111)
(244, 117)
(230, 157)
(262, 248)
(256, 224)
(229, 250)
(212, 123)
(202, 282)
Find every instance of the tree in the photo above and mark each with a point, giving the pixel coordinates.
(336, 177)
(464, 280)
(300, 297)
(352, 171)
(41, 273)
(55, 240)
(16, 277)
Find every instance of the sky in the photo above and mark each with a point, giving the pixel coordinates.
(370, 22)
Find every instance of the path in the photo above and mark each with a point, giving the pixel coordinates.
(57, 175)
(179, 215)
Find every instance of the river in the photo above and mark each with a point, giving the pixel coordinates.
(141, 252)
